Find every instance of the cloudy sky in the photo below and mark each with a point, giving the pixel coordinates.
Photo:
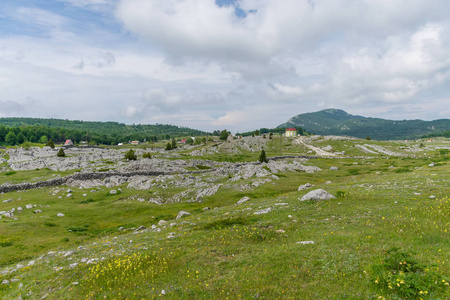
(215, 64)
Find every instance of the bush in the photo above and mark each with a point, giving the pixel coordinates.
(50, 144)
(262, 157)
(168, 146)
(130, 155)
(400, 274)
(147, 155)
(61, 153)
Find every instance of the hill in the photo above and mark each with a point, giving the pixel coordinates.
(101, 132)
(339, 122)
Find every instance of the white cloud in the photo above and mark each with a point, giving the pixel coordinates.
(195, 62)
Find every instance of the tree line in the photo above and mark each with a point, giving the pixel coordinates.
(42, 134)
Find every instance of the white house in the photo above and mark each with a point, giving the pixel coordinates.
(291, 132)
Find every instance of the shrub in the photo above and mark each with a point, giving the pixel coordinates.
(147, 155)
(130, 155)
(50, 144)
(169, 146)
(10, 173)
(401, 274)
(61, 153)
(262, 157)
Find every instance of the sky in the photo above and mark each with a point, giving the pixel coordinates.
(223, 64)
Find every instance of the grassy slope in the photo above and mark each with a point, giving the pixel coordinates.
(229, 252)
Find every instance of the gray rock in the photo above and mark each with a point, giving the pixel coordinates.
(318, 194)
(69, 195)
(304, 187)
(432, 165)
(264, 211)
(60, 215)
(113, 192)
(141, 228)
(29, 206)
(334, 168)
(243, 200)
(7, 201)
(305, 243)
(182, 214)
(37, 211)
(206, 208)
(162, 222)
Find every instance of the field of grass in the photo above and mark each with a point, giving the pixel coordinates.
(385, 236)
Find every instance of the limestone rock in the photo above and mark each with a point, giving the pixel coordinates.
(243, 200)
(304, 187)
(182, 214)
(264, 211)
(318, 194)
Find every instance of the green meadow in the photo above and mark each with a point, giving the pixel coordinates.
(384, 236)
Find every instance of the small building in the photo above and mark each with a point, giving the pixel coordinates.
(183, 141)
(135, 143)
(68, 143)
(291, 132)
(120, 144)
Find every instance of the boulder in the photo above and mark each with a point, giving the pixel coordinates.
(334, 168)
(245, 199)
(182, 214)
(318, 194)
(304, 187)
(264, 211)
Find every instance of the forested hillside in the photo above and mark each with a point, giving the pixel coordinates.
(338, 122)
(18, 130)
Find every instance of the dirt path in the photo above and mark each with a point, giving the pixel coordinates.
(319, 151)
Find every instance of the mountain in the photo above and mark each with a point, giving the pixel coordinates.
(339, 122)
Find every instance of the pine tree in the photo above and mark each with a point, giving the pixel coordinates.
(61, 152)
(50, 144)
(174, 143)
(262, 157)
(169, 146)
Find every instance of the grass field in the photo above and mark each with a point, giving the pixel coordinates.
(385, 236)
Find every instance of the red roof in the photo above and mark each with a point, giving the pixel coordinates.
(291, 129)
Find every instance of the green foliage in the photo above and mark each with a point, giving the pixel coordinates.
(11, 138)
(400, 274)
(88, 200)
(50, 144)
(6, 243)
(61, 153)
(368, 138)
(338, 122)
(168, 146)
(108, 133)
(174, 143)
(224, 135)
(43, 139)
(130, 155)
(201, 167)
(402, 170)
(341, 194)
(262, 157)
(10, 173)
(147, 155)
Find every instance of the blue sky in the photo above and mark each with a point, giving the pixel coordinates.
(235, 64)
